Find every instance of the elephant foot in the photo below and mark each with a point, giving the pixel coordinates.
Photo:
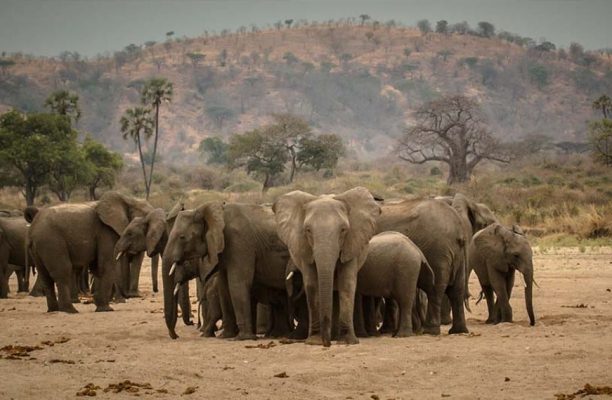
(458, 329)
(298, 335)
(314, 340)
(105, 308)
(490, 321)
(37, 293)
(119, 300)
(69, 309)
(228, 334)
(374, 333)
(208, 333)
(245, 336)
(348, 339)
(362, 334)
(131, 295)
(446, 321)
(404, 333)
(431, 330)
(188, 322)
(155, 289)
(75, 301)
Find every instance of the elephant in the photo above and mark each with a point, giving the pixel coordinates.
(69, 237)
(209, 305)
(150, 234)
(436, 228)
(13, 231)
(328, 237)
(237, 241)
(393, 269)
(496, 252)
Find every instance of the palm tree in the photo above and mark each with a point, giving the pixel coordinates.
(155, 92)
(134, 122)
(603, 104)
(63, 103)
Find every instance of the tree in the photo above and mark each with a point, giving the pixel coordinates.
(136, 123)
(30, 147)
(364, 18)
(600, 137)
(69, 171)
(486, 29)
(104, 164)
(219, 113)
(424, 26)
(64, 103)
(288, 22)
(222, 58)
(215, 149)
(442, 26)
(453, 131)
(155, 92)
(604, 104)
(5, 65)
(289, 131)
(196, 58)
(320, 152)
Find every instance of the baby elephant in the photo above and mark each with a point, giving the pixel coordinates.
(495, 253)
(393, 269)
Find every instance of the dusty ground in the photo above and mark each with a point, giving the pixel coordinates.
(570, 345)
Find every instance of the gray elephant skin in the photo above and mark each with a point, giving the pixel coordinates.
(436, 228)
(496, 252)
(13, 232)
(237, 241)
(393, 268)
(328, 237)
(70, 237)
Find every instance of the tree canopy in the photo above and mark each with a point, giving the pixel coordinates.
(64, 103)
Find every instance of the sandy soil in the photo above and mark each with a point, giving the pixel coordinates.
(570, 345)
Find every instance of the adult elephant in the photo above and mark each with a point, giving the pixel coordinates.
(150, 234)
(69, 237)
(496, 252)
(13, 232)
(436, 228)
(237, 240)
(328, 237)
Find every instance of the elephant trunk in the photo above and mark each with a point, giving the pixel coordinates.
(529, 295)
(326, 265)
(170, 302)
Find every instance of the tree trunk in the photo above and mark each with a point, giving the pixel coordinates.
(458, 171)
(266, 184)
(92, 193)
(154, 149)
(30, 192)
(142, 164)
(293, 164)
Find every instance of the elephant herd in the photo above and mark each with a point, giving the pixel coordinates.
(317, 268)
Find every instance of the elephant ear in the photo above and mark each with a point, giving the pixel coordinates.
(466, 207)
(518, 230)
(289, 214)
(178, 207)
(212, 215)
(156, 229)
(362, 213)
(113, 210)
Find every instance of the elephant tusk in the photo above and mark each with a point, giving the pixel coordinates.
(176, 289)
(118, 256)
(172, 269)
(290, 275)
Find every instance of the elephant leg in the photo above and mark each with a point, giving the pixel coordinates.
(432, 323)
(445, 311)
(389, 321)
(134, 268)
(301, 316)
(84, 282)
(64, 294)
(405, 302)
(498, 281)
(5, 273)
(456, 295)
(74, 285)
(347, 282)
(106, 276)
(184, 303)
(230, 328)
(59, 267)
(154, 272)
(359, 317)
(240, 285)
(38, 290)
(48, 287)
(490, 298)
(370, 314)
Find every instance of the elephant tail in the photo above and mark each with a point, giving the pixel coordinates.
(467, 294)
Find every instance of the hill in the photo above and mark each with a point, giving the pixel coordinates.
(360, 81)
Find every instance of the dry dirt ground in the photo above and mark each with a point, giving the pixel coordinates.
(571, 345)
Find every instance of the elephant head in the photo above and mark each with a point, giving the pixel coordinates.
(513, 251)
(146, 233)
(322, 232)
(478, 214)
(196, 235)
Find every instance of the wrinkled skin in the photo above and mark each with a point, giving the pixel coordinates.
(13, 232)
(496, 252)
(237, 240)
(328, 237)
(436, 228)
(70, 237)
(150, 234)
(393, 269)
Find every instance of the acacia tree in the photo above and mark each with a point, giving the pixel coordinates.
(155, 92)
(451, 130)
(604, 104)
(104, 165)
(322, 151)
(289, 131)
(137, 125)
(69, 171)
(64, 103)
(216, 150)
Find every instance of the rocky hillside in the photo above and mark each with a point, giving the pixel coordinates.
(361, 82)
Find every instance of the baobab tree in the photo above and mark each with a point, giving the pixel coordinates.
(451, 130)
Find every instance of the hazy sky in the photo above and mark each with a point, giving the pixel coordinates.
(48, 27)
